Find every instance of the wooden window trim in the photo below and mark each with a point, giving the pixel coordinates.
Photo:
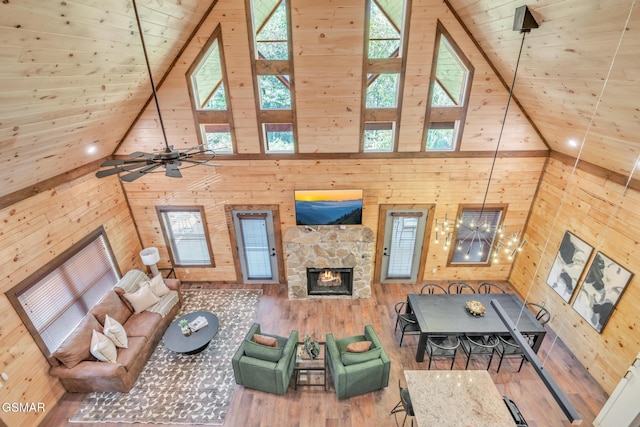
(394, 65)
(205, 117)
(14, 293)
(200, 209)
(261, 67)
(473, 207)
(447, 114)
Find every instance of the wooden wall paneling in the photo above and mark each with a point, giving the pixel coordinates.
(35, 230)
(597, 211)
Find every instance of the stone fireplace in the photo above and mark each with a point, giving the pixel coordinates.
(342, 248)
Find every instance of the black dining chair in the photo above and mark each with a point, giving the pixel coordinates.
(443, 347)
(460, 288)
(490, 288)
(508, 348)
(407, 321)
(432, 288)
(404, 405)
(539, 311)
(479, 346)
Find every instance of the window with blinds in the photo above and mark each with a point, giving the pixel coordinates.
(476, 231)
(185, 232)
(55, 299)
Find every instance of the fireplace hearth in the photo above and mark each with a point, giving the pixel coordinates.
(329, 281)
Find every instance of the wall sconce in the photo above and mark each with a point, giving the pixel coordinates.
(150, 257)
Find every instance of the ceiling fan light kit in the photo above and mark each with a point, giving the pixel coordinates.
(140, 163)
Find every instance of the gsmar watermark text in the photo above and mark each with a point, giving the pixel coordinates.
(23, 407)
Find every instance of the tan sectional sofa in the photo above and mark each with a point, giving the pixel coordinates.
(73, 364)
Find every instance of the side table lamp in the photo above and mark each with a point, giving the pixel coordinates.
(150, 257)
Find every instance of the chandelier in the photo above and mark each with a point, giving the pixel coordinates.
(480, 233)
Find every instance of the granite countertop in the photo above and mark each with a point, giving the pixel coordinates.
(456, 399)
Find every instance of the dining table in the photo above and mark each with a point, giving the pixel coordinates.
(456, 399)
(447, 315)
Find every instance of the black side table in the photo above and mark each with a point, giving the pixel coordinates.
(305, 364)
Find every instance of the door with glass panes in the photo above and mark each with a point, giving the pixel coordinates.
(403, 239)
(256, 245)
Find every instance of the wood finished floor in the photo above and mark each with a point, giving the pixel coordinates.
(343, 317)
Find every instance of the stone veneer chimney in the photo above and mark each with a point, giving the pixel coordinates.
(329, 246)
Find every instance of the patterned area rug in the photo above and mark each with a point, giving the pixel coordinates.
(180, 389)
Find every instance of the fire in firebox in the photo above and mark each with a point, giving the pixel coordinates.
(329, 278)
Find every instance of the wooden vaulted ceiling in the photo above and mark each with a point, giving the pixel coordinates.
(73, 78)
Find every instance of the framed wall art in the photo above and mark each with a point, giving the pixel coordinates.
(600, 291)
(569, 265)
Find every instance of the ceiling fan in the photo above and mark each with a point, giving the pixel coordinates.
(140, 163)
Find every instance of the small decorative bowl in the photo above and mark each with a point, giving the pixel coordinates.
(475, 308)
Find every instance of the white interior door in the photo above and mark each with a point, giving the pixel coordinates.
(403, 241)
(256, 246)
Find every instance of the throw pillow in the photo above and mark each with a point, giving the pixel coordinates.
(77, 346)
(262, 352)
(349, 358)
(142, 299)
(158, 287)
(103, 348)
(359, 346)
(265, 340)
(115, 332)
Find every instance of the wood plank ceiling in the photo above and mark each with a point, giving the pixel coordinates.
(73, 79)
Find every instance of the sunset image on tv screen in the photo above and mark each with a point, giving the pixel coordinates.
(328, 207)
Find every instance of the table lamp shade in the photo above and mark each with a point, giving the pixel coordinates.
(150, 256)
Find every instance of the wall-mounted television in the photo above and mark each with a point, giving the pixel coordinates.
(328, 207)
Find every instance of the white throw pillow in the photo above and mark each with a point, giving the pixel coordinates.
(142, 299)
(158, 287)
(115, 332)
(103, 348)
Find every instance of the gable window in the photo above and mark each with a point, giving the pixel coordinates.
(475, 234)
(273, 74)
(55, 299)
(383, 69)
(210, 99)
(185, 231)
(449, 90)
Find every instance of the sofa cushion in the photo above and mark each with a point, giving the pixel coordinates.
(142, 299)
(265, 340)
(115, 332)
(77, 346)
(158, 287)
(133, 355)
(142, 324)
(359, 346)
(262, 352)
(102, 348)
(112, 305)
(349, 358)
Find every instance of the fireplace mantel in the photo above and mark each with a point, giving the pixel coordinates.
(325, 246)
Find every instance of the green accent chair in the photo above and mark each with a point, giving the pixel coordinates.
(265, 368)
(357, 373)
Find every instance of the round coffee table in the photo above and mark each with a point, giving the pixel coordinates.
(174, 340)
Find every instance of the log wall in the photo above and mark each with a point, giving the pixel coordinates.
(35, 231)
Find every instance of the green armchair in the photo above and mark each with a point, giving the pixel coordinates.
(357, 373)
(265, 368)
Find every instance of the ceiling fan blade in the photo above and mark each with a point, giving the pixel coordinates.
(172, 170)
(138, 154)
(116, 162)
(130, 177)
(113, 171)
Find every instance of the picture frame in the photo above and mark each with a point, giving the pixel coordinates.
(601, 290)
(568, 266)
